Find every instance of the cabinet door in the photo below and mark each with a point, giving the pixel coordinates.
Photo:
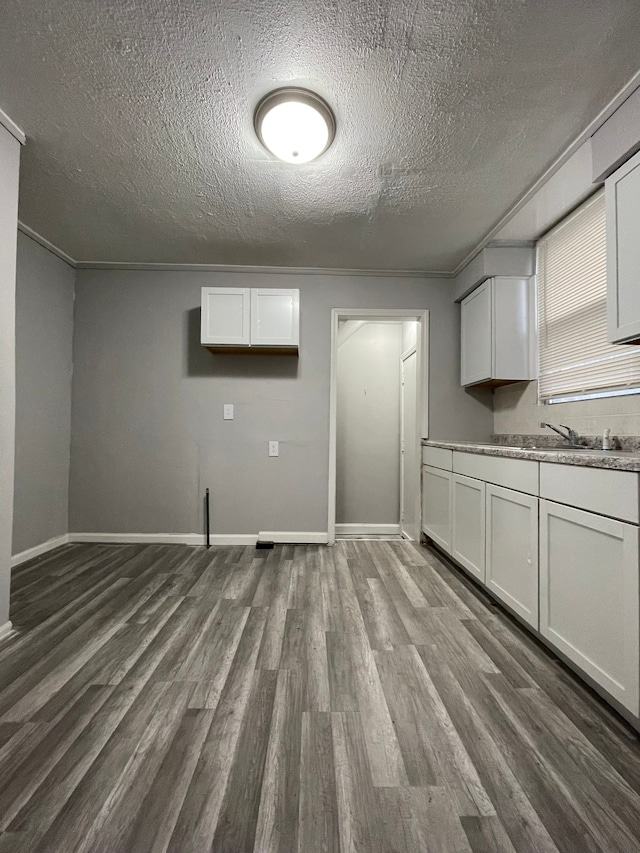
(469, 524)
(589, 595)
(225, 313)
(275, 317)
(622, 192)
(475, 355)
(436, 505)
(513, 310)
(512, 550)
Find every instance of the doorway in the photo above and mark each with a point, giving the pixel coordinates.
(378, 413)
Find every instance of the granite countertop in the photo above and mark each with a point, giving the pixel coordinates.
(619, 460)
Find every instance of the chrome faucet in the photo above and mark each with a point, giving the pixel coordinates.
(570, 435)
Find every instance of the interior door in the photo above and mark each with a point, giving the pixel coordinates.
(409, 458)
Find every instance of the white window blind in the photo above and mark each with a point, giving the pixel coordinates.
(574, 355)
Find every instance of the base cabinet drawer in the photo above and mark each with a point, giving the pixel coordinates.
(518, 474)
(612, 493)
(589, 599)
(436, 505)
(468, 517)
(437, 457)
(512, 550)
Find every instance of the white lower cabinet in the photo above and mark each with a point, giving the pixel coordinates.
(512, 550)
(589, 598)
(571, 573)
(468, 520)
(436, 505)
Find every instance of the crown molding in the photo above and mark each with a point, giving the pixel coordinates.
(583, 137)
(12, 127)
(511, 244)
(46, 244)
(123, 265)
(227, 268)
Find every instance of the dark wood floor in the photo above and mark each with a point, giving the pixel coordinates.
(355, 698)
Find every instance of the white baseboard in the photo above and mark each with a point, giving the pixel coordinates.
(283, 537)
(288, 537)
(5, 630)
(164, 538)
(37, 550)
(367, 529)
(231, 539)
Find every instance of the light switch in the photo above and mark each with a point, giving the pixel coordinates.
(273, 448)
(228, 412)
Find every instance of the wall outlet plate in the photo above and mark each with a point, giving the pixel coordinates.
(274, 448)
(228, 412)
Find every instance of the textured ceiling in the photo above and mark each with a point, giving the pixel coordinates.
(139, 122)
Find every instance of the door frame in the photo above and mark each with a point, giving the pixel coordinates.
(422, 375)
(403, 357)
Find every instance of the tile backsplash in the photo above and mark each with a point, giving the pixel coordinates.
(516, 410)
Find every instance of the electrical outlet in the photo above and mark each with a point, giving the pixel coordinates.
(228, 412)
(273, 448)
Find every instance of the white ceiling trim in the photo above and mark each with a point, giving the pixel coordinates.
(47, 244)
(115, 265)
(586, 134)
(12, 127)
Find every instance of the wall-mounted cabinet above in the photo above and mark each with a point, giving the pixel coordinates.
(243, 319)
(622, 191)
(497, 333)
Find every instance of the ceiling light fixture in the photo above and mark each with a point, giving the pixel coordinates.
(295, 125)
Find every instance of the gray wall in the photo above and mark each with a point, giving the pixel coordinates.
(9, 170)
(147, 428)
(44, 334)
(368, 426)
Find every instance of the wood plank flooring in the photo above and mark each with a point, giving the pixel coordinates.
(166, 699)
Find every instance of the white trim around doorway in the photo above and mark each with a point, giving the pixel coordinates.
(404, 356)
(422, 401)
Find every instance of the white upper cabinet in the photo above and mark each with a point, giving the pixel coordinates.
(497, 332)
(476, 361)
(226, 316)
(266, 318)
(622, 191)
(275, 317)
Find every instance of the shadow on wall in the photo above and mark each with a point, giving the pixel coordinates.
(481, 395)
(202, 362)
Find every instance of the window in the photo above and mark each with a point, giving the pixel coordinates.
(575, 358)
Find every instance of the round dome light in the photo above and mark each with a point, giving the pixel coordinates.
(295, 125)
